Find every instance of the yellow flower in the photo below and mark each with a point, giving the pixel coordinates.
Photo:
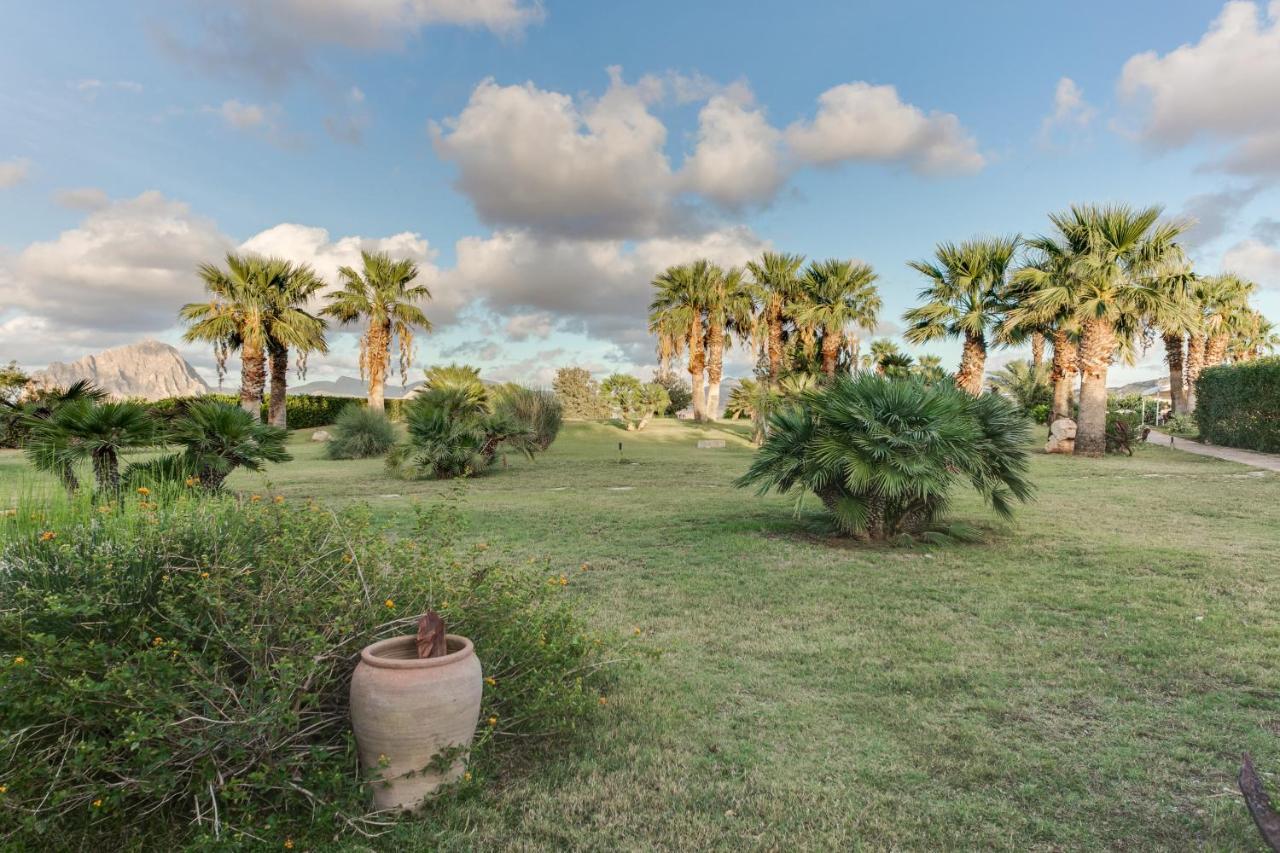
(279, 499)
(192, 481)
(466, 777)
(490, 681)
(493, 721)
(19, 660)
(288, 844)
(144, 491)
(48, 535)
(158, 641)
(391, 605)
(97, 804)
(204, 574)
(564, 581)
(637, 632)
(346, 558)
(604, 700)
(4, 789)
(255, 498)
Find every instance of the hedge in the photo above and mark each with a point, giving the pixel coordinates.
(303, 411)
(1238, 405)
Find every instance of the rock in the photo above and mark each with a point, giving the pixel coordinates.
(1062, 436)
(320, 435)
(147, 370)
(707, 443)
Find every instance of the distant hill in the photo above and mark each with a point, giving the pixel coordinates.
(1146, 387)
(349, 386)
(149, 370)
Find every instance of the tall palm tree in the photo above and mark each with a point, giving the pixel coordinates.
(1173, 322)
(677, 315)
(1254, 335)
(966, 298)
(837, 296)
(1121, 258)
(776, 281)
(236, 318)
(1051, 264)
(883, 351)
(1215, 304)
(290, 324)
(729, 312)
(382, 292)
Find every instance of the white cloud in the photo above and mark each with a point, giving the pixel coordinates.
(859, 121)
(1070, 109)
(14, 172)
(82, 198)
(242, 116)
(1225, 87)
(531, 158)
(738, 157)
(1254, 260)
(304, 244)
(275, 40)
(521, 327)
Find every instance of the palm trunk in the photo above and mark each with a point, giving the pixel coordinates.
(1062, 373)
(1097, 344)
(1215, 350)
(774, 319)
(1037, 349)
(278, 408)
(697, 363)
(973, 361)
(253, 379)
(378, 358)
(1173, 355)
(855, 347)
(830, 351)
(715, 369)
(1195, 363)
(106, 468)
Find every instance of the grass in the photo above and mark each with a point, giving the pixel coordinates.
(1086, 678)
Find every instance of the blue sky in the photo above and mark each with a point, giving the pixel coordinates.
(543, 161)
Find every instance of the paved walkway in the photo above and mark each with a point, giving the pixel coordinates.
(1266, 461)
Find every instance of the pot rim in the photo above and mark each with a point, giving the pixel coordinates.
(370, 656)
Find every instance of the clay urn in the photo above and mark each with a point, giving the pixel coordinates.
(414, 718)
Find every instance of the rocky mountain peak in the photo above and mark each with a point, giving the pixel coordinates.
(148, 370)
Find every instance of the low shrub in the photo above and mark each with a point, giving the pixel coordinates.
(1238, 405)
(883, 454)
(536, 408)
(359, 433)
(175, 670)
(454, 432)
(303, 411)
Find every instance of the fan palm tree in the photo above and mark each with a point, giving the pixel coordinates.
(929, 368)
(775, 280)
(290, 324)
(1052, 264)
(93, 430)
(729, 312)
(677, 315)
(382, 293)
(1023, 382)
(1215, 305)
(1121, 258)
(965, 298)
(1173, 321)
(882, 350)
(1254, 336)
(837, 297)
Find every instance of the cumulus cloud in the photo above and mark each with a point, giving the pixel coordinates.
(738, 157)
(276, 40)
(521, 327)
(127, 267)
(1214, 213)
(1267, 230)
(1225, 87)
(536, 159)
(1070, 109)
(14, 172)
(859, 121)
(1254, 260)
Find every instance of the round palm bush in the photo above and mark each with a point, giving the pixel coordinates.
(174, 670)
(536, 408)
(360, 433)
(884, 454)
(454, 432)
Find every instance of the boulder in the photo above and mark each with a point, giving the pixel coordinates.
(320, 435)
(1062, 436)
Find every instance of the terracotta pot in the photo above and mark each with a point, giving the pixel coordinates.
(414, 718)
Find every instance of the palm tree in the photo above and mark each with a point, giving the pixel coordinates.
(776, 283)
(383, 293)
(1254, 336)
(1051, 265)
(677, 315)
(965, 298)
(1024, 382)
(884, 351)
(289, 324)
(837, 296)
(236, 318)
(929, 368)
(729, 312)
(1216, 304)
(217, 439)
(1120, 260)
(90, 429)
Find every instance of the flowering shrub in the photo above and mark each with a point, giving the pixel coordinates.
(174, 669)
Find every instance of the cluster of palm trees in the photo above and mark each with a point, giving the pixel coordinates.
(262, 308)
(792, 312)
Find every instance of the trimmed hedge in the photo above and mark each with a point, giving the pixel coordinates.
(304, 411)
(1238, 405)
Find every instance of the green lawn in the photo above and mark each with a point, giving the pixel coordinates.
(1084, 679)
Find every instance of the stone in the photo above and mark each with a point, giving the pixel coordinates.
(320, 435)
(146, 370)
(1062, 436)
(708, 443)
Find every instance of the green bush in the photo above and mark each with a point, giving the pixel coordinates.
(303, 411)
(178, 666)
(883, 454)
(536, 408)
(359, 433)
(454, 431)
(1238, 405)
